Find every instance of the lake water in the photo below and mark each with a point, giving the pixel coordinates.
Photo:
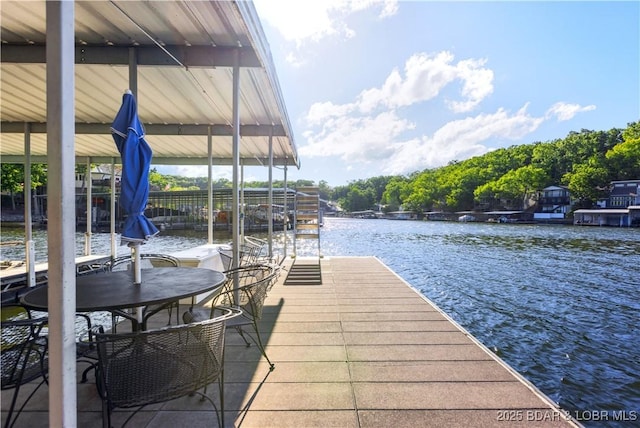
(560, 304)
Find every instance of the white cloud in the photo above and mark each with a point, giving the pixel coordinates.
(303, 21)
(370, 127)
(478, 84)
(390, 8)
(461, 139)
(565, 111)
(295, 60)
(356, 138)
(425, 76)
(364, 138)
(320, 112)
(217, 172)
(299, 20)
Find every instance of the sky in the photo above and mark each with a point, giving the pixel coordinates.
(392, 87)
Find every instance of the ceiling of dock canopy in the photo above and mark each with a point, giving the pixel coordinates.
(185, 53)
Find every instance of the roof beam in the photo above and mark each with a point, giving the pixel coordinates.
(189, 56)
(157, 160)
(157, 129)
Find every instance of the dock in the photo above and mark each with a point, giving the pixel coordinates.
(360, 349)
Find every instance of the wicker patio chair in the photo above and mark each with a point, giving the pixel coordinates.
(86, 345)
(253, 283)
(24, 356)
(154, 366)
(226, 256)
(86, 351)
(148, 261)
(257, 248)
(246, 254)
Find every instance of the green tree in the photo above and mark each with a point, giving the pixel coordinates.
(359, 200)
(12, 178)
(587, 182)
(394, 193)
(339, 193)
(158, 181)
(624, 158)
(223, 183)
(515, 187)
(324, 190)
(547, 157)
(378, 186)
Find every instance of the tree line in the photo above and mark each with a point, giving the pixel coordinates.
(586, 162)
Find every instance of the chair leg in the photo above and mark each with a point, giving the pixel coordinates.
(262, 350)
(177, 308)
(106, 414)
(221, 386)
(170, 310)
(241, 333)
(86, 371)
(257, 340)
(8, 423)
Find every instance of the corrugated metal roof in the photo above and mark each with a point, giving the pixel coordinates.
(185, 55)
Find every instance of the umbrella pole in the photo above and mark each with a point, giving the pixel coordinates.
(137, 276)
(135, 256)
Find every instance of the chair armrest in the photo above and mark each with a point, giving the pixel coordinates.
(26, 322)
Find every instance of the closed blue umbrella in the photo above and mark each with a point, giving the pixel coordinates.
(128, 134)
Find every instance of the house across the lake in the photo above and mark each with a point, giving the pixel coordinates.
(621, 217)
(624, 194)
(554, 204)
(621, 208)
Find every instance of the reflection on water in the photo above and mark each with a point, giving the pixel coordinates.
(558, 303)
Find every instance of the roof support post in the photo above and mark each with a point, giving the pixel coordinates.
(61, 213)
(286, 212)
(270, 207)
(30, 256)
(243, 208)
(87, 233)
(235, 218)
(209, 188)
(112, 210)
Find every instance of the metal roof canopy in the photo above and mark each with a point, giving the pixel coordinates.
(182, 54)
(192, 66)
